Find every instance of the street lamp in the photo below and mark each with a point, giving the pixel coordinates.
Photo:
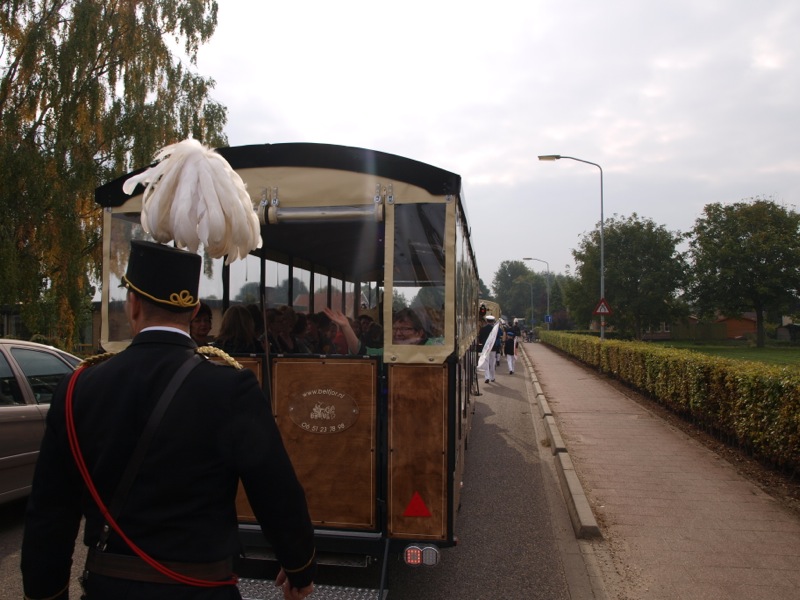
(530, 283)
(602, 243)
(549, 318)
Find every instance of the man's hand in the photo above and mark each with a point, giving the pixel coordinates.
(289, 592)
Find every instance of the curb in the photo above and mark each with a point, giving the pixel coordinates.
(580, 512)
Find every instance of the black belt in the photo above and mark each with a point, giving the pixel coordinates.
(123, 566)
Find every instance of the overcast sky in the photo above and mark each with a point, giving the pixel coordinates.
(682, 103)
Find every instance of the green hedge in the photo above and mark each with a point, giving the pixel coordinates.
(752, 405)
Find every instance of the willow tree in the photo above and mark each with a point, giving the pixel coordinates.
(89, 89)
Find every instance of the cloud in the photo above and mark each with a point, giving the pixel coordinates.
(682, 103)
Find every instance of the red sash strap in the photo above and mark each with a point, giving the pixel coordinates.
(84, 471)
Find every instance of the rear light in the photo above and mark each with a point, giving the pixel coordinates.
(415, 556)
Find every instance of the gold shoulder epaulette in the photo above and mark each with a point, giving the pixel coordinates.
(214, 351)
(96, 359)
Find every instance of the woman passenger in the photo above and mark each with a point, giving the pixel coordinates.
(407, 328)
(200, 325)
(237, 334)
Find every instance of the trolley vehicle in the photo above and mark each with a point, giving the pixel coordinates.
(489, 308)
(377, 437)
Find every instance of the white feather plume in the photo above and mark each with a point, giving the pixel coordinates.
(193, 196)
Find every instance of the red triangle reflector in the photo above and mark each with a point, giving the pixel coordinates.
(416, 508)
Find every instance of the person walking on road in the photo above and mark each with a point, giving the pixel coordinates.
(510, 348)
(492, 342)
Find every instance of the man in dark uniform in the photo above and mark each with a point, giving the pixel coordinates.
(180, 508)
(484, 331)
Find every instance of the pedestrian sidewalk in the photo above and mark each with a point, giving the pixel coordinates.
(678, 521)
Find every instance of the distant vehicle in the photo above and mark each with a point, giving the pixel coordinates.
(29, 374)
(489, 308)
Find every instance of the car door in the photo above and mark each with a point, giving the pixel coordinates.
(28, 377)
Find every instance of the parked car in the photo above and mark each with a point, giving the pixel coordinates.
(29, 374)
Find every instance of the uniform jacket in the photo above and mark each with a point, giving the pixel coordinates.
(219, 428)
(483, 335)
(510, 343)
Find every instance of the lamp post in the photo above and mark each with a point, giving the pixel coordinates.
(530, 283)
(549, 157)
(548, 289)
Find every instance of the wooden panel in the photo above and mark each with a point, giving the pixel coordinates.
(255, 364)
(418, 452)
(325, 410)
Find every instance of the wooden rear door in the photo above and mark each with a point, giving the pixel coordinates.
(325, 410)
(418, 455)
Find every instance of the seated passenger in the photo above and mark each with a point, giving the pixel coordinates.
(258, 322)
(316, 335)
(373, 340)
(285, 323)
(364, 323)
(237, 333)
(407, 328)
(352, 344)
(270, 330)
(299, 333)
(200, 325)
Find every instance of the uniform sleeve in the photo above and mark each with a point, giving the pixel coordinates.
(53, 515)
(273, 490)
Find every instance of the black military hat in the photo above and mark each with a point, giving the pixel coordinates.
(165, 275)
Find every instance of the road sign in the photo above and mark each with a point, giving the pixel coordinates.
(602, 308)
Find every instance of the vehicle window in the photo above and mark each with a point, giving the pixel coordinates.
(43, 371)
(419, 270)
(72, 360)
(10, 394)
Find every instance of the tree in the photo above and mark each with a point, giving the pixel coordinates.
(299, 288)
(528, 298)
(89, 89)
(399, 301)
(511, 287)
(484, 290)
(370, 294)
(249, 293)
(644, 275)
(746, 257)
(560, 318)
(429, 296)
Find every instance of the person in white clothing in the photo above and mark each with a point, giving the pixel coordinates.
(491, 340)
(510, 349)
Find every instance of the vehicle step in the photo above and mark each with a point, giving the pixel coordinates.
(264, 589)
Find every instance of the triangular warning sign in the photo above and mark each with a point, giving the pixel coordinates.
(416, 508)
(602, 308)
